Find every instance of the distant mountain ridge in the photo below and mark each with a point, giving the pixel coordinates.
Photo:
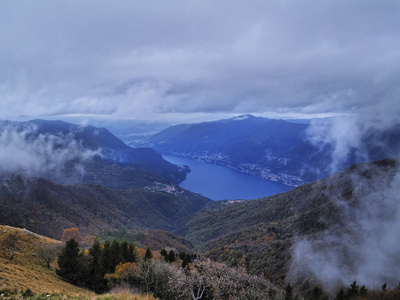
(87, 154)
(277, 150)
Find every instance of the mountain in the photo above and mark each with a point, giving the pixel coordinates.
(277, 150)
(331, 231)
(68, 153)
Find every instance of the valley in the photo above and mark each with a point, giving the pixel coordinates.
(90, 180)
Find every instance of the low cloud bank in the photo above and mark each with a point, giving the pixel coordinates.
(25, 151)
(365, 246)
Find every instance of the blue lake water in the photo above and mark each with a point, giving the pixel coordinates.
(220, 183)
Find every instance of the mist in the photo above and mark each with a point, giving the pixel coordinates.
(365, 244)
(26, 152)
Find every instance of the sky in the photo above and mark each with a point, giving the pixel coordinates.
(164, 60)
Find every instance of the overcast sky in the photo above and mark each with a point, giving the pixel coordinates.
(168, 59)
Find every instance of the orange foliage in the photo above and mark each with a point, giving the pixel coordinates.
(141, 252)
(71, 233)
(126, 270)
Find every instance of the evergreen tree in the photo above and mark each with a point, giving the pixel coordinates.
(148, 255)
(363, 291)
(132, 254)
(317, 293)
(185, 262)
(125, 251)
(384, 287)
(72, 265)
(105, 258)
(115, 255)
(354, 289)
(182, 255)
(341, 295)
(164, 253)
(96, 270)
(171, 256)
(288, 292)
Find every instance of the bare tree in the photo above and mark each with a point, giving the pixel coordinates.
(47, 252)
(8, 242)
(212, 280)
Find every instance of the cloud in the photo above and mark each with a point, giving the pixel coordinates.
(24, 151)
(137, 59)
(363, 245)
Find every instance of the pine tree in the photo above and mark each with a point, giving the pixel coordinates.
(96, 270)
(341, 295)
(115, 255)
(164, 253)
(132, 254)
(353, 291)
(105, 258)
(288, 292)
(72, 265)
(148, 255)
(124, 251)
(185, 262)
(171, 256)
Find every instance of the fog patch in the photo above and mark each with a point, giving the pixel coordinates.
(25, 151)
(365, 244)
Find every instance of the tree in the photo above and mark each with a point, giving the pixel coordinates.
(164, 253)
(341, 295)
(71, 233)
(384, 287)
(211, 280)
(159, 278)
(353, 291)
(47, 252)
(148, 255)
(317, 293)
(105, 259)
(96, 270)
(171, 256)
(72, 265)
(124, 273)
(288, 292)
(115, 255)
(132, 254)
(8, 242)
(185, 262)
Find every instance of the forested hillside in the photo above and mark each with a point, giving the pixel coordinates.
(327, 225)
(48, 208)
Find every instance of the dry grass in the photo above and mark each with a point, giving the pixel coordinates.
(26, 271)
(27, 277)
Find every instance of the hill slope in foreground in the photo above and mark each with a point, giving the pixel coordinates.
(26, 270)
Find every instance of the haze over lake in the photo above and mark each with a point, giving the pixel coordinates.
(220, 183)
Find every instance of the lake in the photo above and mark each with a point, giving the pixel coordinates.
(220, 183)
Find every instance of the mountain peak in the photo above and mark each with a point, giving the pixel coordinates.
(242, 117)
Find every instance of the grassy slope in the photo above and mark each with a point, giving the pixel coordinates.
(27, 271)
